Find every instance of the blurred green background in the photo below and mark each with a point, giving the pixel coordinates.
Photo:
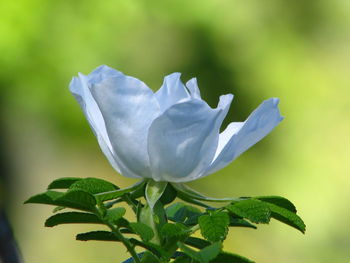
(298, 51)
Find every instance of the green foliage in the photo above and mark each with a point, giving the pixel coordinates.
(143, 230)
(173, 230)
(287, 217)
(77, 199)
(63, 183)
(205, 255)
(279, 201)
(115, 214)
(72, 199)
(224, 257)
(154, 191)
(110, 195)
(239, 222)
(93, 186)
(72, 217)
(252, 209)
(161, 239)
(197, 242)
(182, 213)
(47, 198)
(148, 257)
(97, 236)
(214, 226)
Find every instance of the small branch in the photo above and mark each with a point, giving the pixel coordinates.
(125, 242)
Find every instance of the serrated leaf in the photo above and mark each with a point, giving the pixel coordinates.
(77, 199)
(47, 198)
(192, 194)
(155, 249)
(254, 210)
(109, 195)
(182, 213)
(143, 230)
(97, 236)
(171, 230)
(210, 252)
(224, 257)
(154, 191)
(204, 255)
(72, 217)
(115, 214)
(235, 221)
(214, 226)
(197, 242)
(93, 185)
(63, 183)
(279, 201)
(287, 217)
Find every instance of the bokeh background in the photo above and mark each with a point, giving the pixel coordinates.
(296, 50)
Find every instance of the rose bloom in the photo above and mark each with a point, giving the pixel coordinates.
(171, 135)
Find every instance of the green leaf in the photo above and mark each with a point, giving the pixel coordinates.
(115, 214)
(279, 201)
(203, 256)
(72, 217)
(224, 257)
(109, 195)
(169, 195)
(143, 230)
(197, 242)
(235, 221)
(148, 257)
(182, 213)
(155, 249)
(97, 236)
(254, 210)
(287, 217)
(154, 218)
(47, 198)
(182, 259)
(172, 230)
(63, 183)
(214, 226)
(154, 191)
(192, 194)
(93, 185)
(77, 199)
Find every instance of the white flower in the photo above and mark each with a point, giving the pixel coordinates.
(171, 135)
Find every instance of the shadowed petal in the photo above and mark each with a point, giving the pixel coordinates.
(183, 140)
(240, 136)
(171, 92)
(128, 107)
(79, 87)
(193, 88)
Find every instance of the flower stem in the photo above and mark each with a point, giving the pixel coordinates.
(125, 242)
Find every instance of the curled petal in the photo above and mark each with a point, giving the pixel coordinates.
(79, 87)
(239, 137)
(182, 141)
(128, 108)
(193, 88)
(171, 92)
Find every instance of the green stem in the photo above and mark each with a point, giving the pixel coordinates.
(118, 234)
(125, 242)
